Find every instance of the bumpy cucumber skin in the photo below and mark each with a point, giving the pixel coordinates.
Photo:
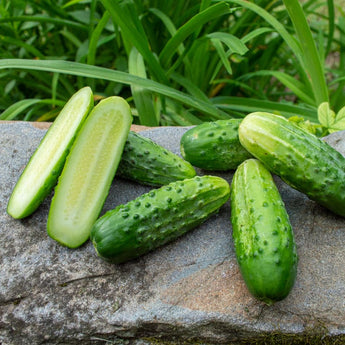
(302, 160)
(157, 217)
(51, 180)
(262, 233)
(214, 145)
(88, 172)
(148, 163)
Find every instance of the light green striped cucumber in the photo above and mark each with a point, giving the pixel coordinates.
(263, 237)
(157, 217)
(89, 170)
(44, 167)
(302, 160)
(214, 145)
(146, 162)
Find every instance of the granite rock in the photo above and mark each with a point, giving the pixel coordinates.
(189, 290)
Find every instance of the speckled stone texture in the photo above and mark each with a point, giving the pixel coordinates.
(189, 290)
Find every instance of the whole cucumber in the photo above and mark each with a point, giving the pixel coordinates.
(263, 237)
(148, 163)
(214, 145)
(157, 217)
(301, 159)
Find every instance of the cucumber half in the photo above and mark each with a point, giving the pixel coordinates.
(89, 170)
(44, 167)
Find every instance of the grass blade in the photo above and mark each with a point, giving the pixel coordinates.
(270, 19)
(78, 69)
(15, 109)
(249, 105)
(281, 30)
(29, 48)
(189, 28)
(45, 19)
(142, 97)
(331, 25)
(310, 55)
(91, 56)
(294, 85)
(125, 16)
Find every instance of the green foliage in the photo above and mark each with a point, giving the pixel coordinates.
(177, 62)
(331, 121)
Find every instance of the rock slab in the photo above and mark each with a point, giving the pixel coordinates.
(189, 290)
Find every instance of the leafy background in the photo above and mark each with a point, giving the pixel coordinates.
(177, 62)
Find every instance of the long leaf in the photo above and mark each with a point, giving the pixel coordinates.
(189, 28)
(331, 25)
(168, 23)
(28, 47)
(74, 68)
(45, 19)
(290, 82)
(91, 56)
(281, 30)
(270, 19)
(232, 42)
(132, 30)
(190, 87)
(249, 105)
(255, 33)
(310, 55)
(15, 109)
(141, 96)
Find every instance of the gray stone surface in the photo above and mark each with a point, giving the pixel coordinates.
(190, 289)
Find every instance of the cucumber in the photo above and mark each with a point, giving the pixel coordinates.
(148, 163)
(301, 159)
(263, 237)
(214, 145)
(44, 167)
(89, 170)
(157, 217)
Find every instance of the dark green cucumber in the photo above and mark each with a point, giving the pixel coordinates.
(157, 217)
(89, 170)
(302, 160)
(146, 162)
(263, 237)
(44, 167)
(214, 145)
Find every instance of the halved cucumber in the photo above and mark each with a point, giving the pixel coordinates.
(45, 165)
(89, 170)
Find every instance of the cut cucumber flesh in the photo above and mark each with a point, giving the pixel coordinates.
(89, 170)
(44, 167)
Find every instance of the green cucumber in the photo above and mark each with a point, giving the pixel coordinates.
(301, 159)
(214, 145)
(146, 162)
(157, 217)
(44, 167)
(262, 234)
(89, 170)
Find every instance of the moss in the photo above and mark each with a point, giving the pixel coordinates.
(271, 339)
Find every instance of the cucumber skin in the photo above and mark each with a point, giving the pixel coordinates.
(214, 145)
(263, 237)
(148, 163)
(302, 160)
(47, 188)
(52, 179)
(157, 217)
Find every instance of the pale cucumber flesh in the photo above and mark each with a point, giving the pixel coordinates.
(43, 169)
(89, 170)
